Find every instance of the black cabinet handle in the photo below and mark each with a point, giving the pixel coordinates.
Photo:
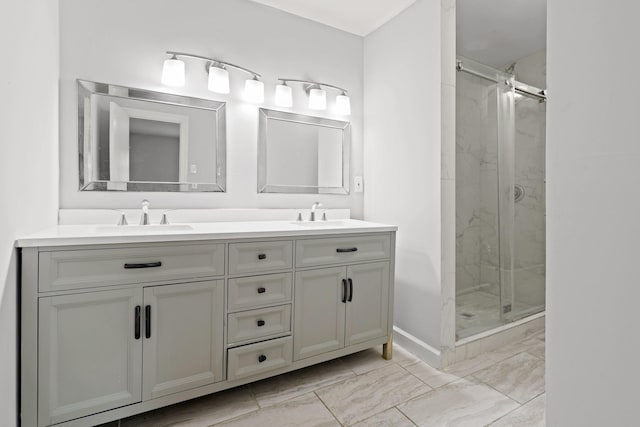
(260, 323)
(262, 256)
(346, 250)
(262, 358)
(138, 312)
(147, 321)
(350, 290)
(344, 291)
(143, 265)
(261, 290)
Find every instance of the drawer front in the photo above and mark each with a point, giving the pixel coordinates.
(258, 358)
(260, 323)
(249, 292)
(76, 269)
(257, 257)
(342, 250)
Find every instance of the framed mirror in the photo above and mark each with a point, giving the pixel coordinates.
(302, 154)
(139, 140)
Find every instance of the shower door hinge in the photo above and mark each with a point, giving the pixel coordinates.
(506, 309)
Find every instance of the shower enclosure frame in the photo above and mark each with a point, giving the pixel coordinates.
(506, 88)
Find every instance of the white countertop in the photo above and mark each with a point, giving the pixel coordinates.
(101, 234)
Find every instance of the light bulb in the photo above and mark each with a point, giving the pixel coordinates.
(343, 104)
(254, 90)
(317, 99)
(173, 72)
(284, 96)
(218, 79)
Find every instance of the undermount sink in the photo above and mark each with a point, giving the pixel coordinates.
(329, 223)
(152, 229)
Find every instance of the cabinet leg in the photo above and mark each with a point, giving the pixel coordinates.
(387, 349)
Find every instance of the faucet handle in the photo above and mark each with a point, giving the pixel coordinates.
(123, 219)
(164, 220)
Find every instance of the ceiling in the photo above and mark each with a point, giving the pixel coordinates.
(359, 17)
(498, 32)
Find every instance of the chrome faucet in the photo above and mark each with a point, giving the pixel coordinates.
(315, 206)
(144, 218)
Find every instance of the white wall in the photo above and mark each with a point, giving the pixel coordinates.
(29, 160)
(124, 42)
(402, 158)
(593, 176)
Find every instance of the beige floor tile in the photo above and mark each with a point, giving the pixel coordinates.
(464, 403)
(429, 375)
(363, 396)
(520, 377)
(367, 360)
(389, 418)
(530, 415)
(278, 389)
(199, 412)
(402, 357)
(537, 349)
(467, 367)
(305, 410)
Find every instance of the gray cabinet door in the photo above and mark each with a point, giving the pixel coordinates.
(319, 312)
(89, 359)
(183, 337)
(368, 305)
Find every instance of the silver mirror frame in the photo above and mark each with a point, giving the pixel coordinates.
(264, 187)
(87, 88)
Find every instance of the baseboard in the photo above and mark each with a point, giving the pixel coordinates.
(417, 347)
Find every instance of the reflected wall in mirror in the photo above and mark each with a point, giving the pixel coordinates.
(302, 154)
(139, 140)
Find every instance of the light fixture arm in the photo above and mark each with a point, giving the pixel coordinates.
(307, 82)
(214, 61)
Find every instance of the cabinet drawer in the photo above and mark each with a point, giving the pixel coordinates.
(257, 358)
(260, 323)
(259, 256)
(249, 292)
(342, 250)
(76, 269)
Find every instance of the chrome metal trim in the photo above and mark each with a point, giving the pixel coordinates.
(214, 61)
(309, 82)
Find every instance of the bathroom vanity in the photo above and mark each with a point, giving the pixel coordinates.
(117, 321)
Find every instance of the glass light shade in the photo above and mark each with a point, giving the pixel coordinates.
(173, 72)
(284, 96)
(218, 80)
(317, 99)
(343, 105)
(254, 91)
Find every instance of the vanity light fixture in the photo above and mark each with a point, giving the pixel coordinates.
(173, 74)
(284, 95)
(317, 96)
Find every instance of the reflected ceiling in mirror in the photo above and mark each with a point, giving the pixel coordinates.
(139, 140)
(302, 154)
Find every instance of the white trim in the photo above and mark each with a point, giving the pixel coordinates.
(414, 345)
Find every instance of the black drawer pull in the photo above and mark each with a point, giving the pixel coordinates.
(261, 290)
(350, 290)
(261, 323)
(137, 325)
(262, 358)
(344, 291)
(262, 256)
(147, 321)
(346, 250)
(143, 265)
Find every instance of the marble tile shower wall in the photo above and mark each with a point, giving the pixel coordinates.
(476, 185)
(477, 224)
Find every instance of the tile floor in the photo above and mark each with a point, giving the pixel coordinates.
(502, 388)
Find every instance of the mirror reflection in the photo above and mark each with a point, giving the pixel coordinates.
(135, 140)
(302, 154)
